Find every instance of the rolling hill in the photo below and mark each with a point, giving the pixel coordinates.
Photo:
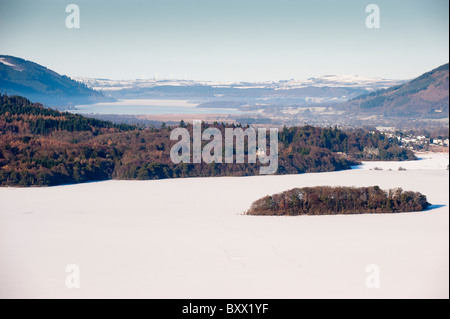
(427, 96)
(37, 83)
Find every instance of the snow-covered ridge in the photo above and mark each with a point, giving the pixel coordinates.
(353, 81)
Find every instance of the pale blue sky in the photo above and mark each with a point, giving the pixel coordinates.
(237, 40)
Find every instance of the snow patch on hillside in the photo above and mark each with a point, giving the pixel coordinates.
(15, 67)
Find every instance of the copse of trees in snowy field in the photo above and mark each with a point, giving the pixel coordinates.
(339, 200)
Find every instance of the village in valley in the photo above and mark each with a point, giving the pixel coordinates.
(418, 141)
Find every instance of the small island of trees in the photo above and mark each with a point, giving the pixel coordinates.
(339, 200)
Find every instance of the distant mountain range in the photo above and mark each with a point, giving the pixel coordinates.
(343, 96)
(342, 81)
(326, 89)
(330, 81)
(39, 84)
(424, 97)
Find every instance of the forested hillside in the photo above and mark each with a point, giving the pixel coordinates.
(38, 83)
(40, 146)
(425, 96)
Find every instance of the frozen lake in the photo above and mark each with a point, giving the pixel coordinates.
(149, 107)
(186, 238)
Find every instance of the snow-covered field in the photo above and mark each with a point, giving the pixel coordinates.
(186, 238)
(426, 161)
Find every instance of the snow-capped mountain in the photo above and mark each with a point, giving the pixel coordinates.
(342, 81)
(328, 88)
(354, 81)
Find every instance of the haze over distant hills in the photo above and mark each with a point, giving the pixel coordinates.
(39, 84)
(348, 100)
(425, 96)
(349, 81)
(329, 88)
